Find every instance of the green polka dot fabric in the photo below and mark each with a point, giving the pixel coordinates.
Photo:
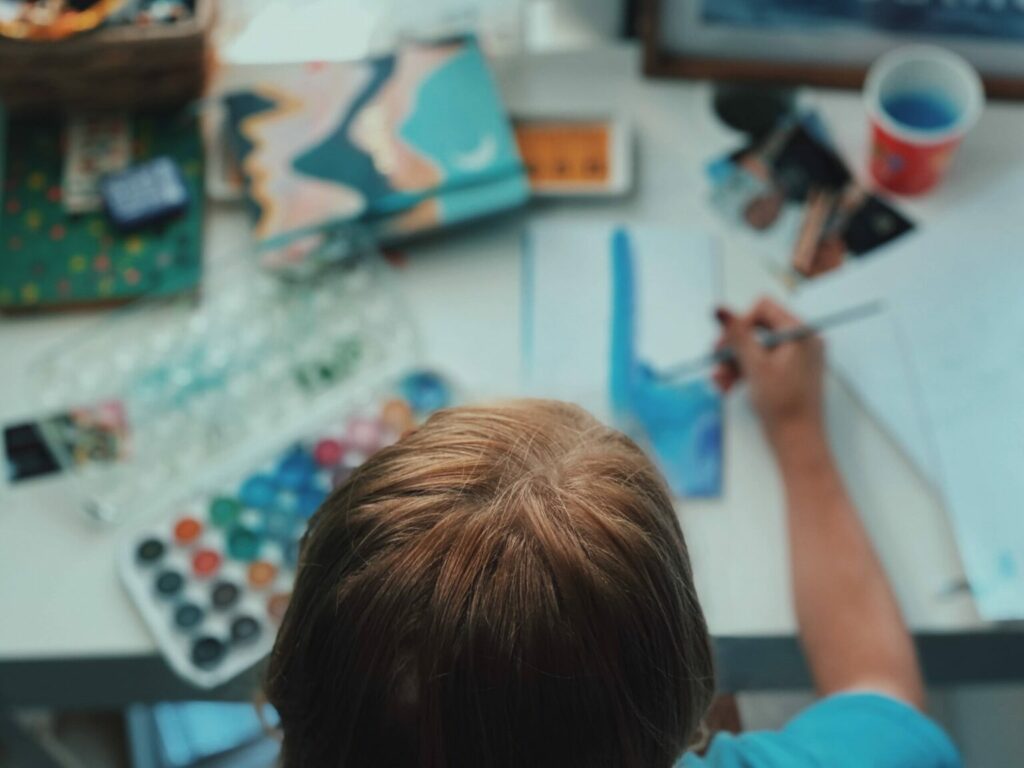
(50, 259)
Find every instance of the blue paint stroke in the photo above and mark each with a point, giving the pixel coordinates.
(681, 422)
(623, 357)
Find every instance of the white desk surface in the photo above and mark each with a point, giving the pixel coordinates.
(59, 594)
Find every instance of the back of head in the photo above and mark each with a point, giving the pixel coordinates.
(506, 586)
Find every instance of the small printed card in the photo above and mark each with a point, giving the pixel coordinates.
(794, 190)
(93, 433)
(96, 145)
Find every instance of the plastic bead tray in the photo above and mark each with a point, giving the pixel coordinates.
(204, 387)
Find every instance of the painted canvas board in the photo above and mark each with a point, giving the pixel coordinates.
(401, 143)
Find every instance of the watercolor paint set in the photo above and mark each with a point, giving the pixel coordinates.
(203, 388)
(213, 579)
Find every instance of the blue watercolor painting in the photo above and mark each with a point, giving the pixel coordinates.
(604, 309)
(680, 421)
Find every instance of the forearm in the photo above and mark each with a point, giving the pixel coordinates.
(850, 624)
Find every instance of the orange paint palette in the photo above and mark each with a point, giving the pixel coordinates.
(574, 156)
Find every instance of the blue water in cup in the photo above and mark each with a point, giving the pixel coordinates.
(920, 110)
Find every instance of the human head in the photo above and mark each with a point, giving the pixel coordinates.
(505, 586)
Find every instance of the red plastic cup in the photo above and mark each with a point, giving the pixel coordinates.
(910, 159)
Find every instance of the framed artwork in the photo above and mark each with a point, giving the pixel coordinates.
(827, 42)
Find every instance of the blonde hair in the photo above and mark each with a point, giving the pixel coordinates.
(506, 586)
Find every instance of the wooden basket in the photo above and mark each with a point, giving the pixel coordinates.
(120, 67)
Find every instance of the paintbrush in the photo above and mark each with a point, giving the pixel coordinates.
(771, 339)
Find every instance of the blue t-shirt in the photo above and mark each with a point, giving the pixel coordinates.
(850, 730)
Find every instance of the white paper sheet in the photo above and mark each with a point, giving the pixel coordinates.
(955, 298)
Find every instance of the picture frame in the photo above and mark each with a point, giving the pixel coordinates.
(803, 42)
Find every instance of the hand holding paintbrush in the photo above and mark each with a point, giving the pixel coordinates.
(781, 357)
(785, 381)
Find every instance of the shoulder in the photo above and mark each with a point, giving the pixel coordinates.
(850, 729)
